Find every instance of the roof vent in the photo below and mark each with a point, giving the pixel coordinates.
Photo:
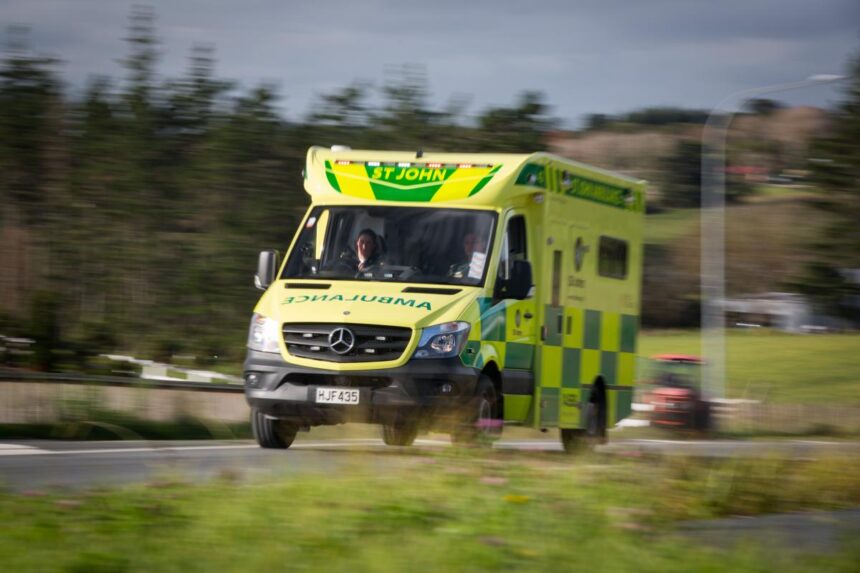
(336, 148)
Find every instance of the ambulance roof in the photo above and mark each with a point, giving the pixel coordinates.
(476, 179)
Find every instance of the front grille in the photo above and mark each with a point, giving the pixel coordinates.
(371, 343)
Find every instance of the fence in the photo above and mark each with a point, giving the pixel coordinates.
(33, 398)
(754, 417)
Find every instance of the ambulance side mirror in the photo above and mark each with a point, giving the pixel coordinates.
(519, 285)
(267, 266)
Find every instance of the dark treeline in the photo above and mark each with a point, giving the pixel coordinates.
(130, 215)
(646, 117)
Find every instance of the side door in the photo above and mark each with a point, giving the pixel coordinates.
(551, 295)
(519, 322)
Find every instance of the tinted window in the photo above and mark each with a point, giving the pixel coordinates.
(612, 258)
(514, 246)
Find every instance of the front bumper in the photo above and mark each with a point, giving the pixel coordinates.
(434, 388)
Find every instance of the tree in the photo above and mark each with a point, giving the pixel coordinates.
(683, 178)
(762, 106)
(345, 107)
(29, 94)
(520, 128)
(831, 279)
(597, 121)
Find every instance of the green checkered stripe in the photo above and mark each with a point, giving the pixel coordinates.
(582, 344)
(494, 326)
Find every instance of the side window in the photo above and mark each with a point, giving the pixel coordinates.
(514, 247)
(310, 247)
(612, 258)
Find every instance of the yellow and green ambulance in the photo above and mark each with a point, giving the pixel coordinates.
(453, 292)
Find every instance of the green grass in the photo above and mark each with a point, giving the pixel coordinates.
(765, 193)
(450, 511)
(778, 367)
(675, 224)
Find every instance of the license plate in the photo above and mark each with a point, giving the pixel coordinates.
(337, 396)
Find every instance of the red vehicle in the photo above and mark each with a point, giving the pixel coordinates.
(676, 392)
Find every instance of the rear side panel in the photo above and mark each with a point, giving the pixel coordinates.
(589, 309)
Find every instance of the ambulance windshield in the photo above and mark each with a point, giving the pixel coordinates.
(398, 244)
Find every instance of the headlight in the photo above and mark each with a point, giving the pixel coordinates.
(263, 334)
(442, 340)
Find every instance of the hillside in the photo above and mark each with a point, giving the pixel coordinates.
(767, 244)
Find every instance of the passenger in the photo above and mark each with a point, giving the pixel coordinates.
(472, 243)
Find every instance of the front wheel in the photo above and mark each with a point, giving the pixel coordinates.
(272, 433)
(483, 422)
(399, 433)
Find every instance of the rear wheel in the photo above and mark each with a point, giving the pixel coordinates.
(272, 433)
(594, 433)
(572, 440)
(595, 422)
(483, 422)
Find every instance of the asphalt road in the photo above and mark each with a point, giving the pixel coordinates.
(26, 465)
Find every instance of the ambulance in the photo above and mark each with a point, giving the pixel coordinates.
(456, 293)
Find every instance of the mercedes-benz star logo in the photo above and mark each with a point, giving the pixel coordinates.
(341, 340)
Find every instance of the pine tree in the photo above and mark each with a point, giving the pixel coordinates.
(831, 279)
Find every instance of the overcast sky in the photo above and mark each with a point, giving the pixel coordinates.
(604, 56)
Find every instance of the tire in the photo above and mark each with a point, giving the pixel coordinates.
(572, 440)
(270, 433)
(399, 433)
(594, 433)
(702, 417)
(483, 421)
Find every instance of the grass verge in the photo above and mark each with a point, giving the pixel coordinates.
(447, 511)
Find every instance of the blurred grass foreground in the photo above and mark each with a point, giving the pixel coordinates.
(444, 511)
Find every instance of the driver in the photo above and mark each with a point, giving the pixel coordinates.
(367, 250)
(472, 243)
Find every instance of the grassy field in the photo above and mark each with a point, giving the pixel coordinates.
(788, 205)
(661, 228)
(766, 193)
(450, 511)
(778, 367)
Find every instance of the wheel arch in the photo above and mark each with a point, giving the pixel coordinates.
(600, 397)
(598, 391)
(491, 370)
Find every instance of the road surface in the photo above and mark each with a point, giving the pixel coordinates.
(28, 465)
